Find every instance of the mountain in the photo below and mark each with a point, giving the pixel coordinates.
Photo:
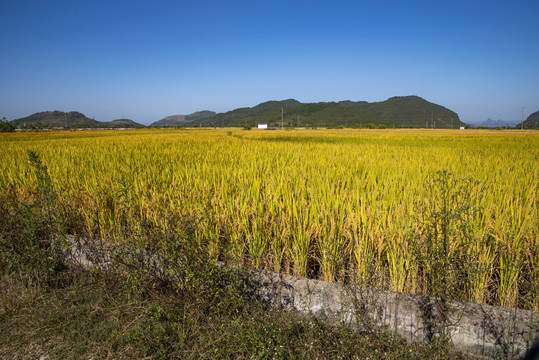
(494, 123)
(200, 115)
(57, 119)
(172, 120)
(124, 123)
(400, 111)
(72, 119)
(409, 111)
(180, 120)
(532, 122)
(246, 116)
(403, 111)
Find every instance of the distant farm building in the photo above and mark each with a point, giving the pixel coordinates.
(262, 126)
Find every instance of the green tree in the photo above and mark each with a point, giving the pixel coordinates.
(6, 126)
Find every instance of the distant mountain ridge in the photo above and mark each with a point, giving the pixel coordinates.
(72, 119)
(180, 120)
(125, 123)
(495, 123)
(200, 115)
(172, 120)
(57, 119)
(401, 111)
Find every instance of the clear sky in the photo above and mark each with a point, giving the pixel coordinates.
(145, 60)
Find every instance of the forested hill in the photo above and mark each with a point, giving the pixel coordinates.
(532, 122)
(406, 111)
(180, 120)
(72, 119)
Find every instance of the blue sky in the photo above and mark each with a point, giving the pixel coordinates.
(145, 60)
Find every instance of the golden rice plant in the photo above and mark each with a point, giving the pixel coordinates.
(339, 205)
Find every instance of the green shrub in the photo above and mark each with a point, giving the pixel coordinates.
(6, 126)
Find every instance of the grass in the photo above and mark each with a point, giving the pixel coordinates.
(95, 318)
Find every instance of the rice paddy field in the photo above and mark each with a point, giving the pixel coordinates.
(436, 212)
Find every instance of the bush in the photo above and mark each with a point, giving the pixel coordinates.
(6, 126)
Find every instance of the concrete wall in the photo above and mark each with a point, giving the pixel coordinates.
(481, 329)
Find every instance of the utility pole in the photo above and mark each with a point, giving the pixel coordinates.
(282, 118)
(522, 123)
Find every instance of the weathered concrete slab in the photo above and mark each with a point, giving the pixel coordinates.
(477, 328)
